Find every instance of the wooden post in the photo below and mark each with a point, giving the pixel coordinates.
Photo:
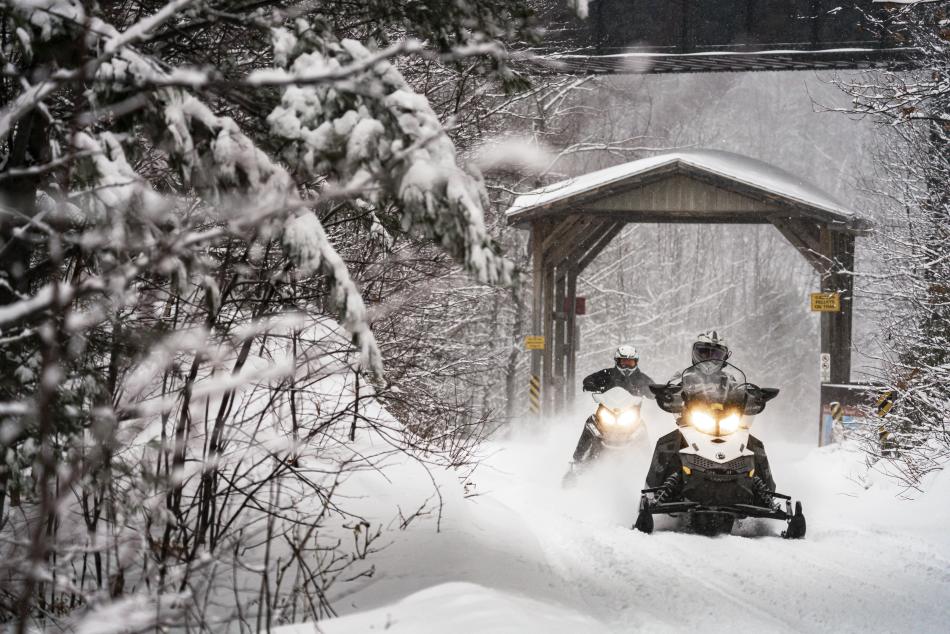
(537, 278)
(569, 386)
(841, 328)
(547, 365)
(837, 249)
(559, 349)
(824, 242)
(568, 240)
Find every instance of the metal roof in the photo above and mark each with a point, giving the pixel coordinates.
(742, 175)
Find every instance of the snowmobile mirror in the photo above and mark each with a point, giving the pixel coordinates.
(667, 397)
(660, 389)
(758, 397)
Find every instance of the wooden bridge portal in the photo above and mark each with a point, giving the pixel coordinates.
(571, 222)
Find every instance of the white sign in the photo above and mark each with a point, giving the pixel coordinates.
(824, 366)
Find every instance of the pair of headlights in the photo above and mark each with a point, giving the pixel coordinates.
(613, 418)
(713, 423)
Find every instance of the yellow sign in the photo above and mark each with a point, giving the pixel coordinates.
(825, 303)
(533, 343)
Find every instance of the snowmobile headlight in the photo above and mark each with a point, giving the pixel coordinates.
(729, 424)
(628, 418)
(606, 416)
(703, 421)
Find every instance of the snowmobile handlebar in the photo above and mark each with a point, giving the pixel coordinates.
(670, 398)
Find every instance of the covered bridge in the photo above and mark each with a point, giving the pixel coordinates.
(572, 221)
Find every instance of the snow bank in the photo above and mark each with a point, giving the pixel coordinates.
(517, 553)
(459, 607)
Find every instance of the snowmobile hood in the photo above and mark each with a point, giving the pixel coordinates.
(719, 449)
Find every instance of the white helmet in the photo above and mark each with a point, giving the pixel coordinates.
(626, 359)
(710, 346)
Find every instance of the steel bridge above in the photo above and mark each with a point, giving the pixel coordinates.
(670, 36)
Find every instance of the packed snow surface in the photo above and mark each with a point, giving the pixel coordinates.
(517, 553)
(762, 176)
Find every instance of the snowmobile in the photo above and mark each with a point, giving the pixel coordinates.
(712, 470)
(614, 427)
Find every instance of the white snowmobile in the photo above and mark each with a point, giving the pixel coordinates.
(711, 469)
(614, 427)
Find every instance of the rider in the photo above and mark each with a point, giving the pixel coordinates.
(708, 372)
(626, 374)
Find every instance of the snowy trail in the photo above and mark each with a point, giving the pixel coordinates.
(542, 556)
(863, 567)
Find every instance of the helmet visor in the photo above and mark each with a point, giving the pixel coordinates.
(626, 362)
(708, 352)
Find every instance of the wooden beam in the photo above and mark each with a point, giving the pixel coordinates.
(805, 237)
(593, 235)
(599, 246)
(560, 250)
(667, 216)
(561, 230)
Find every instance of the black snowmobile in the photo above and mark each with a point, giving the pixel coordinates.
(711, 469)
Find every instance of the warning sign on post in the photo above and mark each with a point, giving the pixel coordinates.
(826, 302)
(532, 342)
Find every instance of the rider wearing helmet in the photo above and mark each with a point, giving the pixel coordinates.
(710, 347)
(626, 373)
(708, 372)
(709, 355)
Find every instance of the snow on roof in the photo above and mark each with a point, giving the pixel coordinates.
(747, 171)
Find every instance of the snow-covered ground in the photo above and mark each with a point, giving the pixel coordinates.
(516, 553)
